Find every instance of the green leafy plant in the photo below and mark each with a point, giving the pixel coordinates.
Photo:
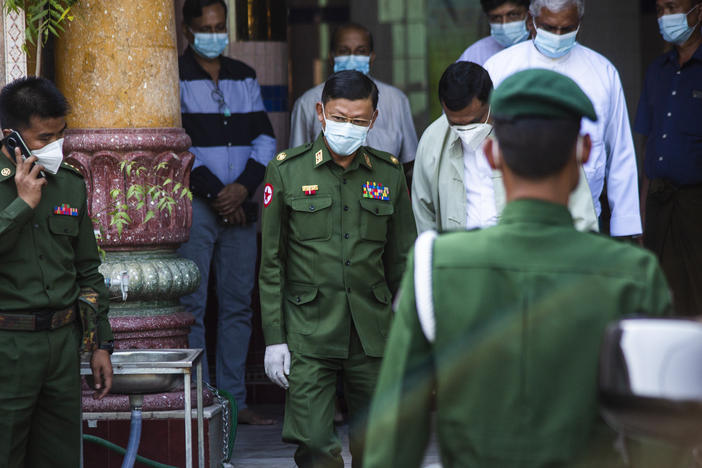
(161, 195)
(42, 17)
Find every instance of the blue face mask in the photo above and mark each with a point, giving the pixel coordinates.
(352, 62)
(509, 34)
(210, 45)
(344, 138)
(554, 45)
(674, 28)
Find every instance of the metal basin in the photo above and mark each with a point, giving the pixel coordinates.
(147, 370)
(651, 379)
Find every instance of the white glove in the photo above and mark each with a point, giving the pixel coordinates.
(277, 364)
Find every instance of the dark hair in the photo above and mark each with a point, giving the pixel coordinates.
(489, 5)
(345, 27)
(193, 8)
(352, 85)
(27, 97)
(536, 147)
(461, 83)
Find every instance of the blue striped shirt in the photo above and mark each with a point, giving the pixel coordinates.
(230, 131)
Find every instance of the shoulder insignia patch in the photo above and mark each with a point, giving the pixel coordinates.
(71, 168)
(281, 156)
(5, 172)
(318, 157)
(289, 154)
(394, 160)
(368, 161)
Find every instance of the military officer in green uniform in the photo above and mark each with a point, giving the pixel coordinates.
(337, 225)
(48, 259)
(505, 324)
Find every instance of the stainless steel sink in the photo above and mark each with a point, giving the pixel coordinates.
(147, 370)
(651, 379)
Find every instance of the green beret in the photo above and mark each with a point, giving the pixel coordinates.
(540, 93)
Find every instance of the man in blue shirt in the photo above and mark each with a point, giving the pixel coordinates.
(670, 115)
(233, 141)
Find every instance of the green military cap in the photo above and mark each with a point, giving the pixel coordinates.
(540, 93)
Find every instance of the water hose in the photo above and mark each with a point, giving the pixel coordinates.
(134, 438)
(116, 448)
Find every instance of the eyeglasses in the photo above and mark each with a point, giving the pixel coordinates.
(218, 97)
(556, 29)
(343, 119)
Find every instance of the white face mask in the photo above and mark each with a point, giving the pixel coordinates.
(50, 156)
(473, 135)
(344, 138)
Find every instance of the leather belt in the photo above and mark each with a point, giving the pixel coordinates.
(28, 320)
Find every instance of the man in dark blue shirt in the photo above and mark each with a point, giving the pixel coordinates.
(670, 115)
(233, 141)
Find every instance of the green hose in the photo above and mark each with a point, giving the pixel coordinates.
(232, 422)
(121, 451)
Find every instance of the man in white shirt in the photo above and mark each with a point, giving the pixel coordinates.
(510, 24)
(393, 132)
(454, 187)
(612, 159)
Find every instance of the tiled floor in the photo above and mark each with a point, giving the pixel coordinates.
(260, 446)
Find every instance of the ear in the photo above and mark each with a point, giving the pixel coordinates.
(586, 149)
(491, 148)
(320, 114)
(530, 26)
(189, 36)
(373, 119)
(372, 59)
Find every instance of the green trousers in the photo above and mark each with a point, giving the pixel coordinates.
(40, 399)
(309, 405)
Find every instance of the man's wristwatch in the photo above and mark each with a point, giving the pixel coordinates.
(108, 346)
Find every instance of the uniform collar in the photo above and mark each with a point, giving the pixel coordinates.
(536, 212)
(7, 169)
(322, 156)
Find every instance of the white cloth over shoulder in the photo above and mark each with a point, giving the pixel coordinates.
(481, 51)
(612, 156)
(392, 132)
(423, 290)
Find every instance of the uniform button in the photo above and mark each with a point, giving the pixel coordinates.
(346, 208)
(297, 299)
(346, 236)
(311, 207)
(344, 180)
(661, 158)
(674, 93)
(377, 211)
(229, 143)
(665, 135)
(669, 114)
(36, 226)
(225, 122)
(348, 263)
(677, 72)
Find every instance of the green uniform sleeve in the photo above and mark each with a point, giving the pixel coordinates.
(12, 218)
(401, 235)
(87, 262)
(399, 423)
(273, 247)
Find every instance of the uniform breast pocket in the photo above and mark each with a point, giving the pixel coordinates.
(64, 225)
(310, 218)
(375, 217)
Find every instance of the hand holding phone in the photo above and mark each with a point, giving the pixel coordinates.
(14, 142)
(28, 181)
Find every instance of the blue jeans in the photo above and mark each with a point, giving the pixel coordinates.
(233, 251)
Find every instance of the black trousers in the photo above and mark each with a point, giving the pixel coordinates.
(674, 232)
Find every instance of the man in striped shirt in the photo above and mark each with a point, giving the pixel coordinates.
(232, 142)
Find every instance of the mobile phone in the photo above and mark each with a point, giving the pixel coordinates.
(13, 141)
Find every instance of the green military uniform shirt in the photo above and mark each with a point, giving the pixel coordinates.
(330, 254)
(47, 257)
(520, 312)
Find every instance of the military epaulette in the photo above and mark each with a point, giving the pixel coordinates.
(73, 169)
(291, 153)
(384, 156)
